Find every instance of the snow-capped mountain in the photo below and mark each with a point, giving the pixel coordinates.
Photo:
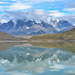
(31, 27)
(61, 25)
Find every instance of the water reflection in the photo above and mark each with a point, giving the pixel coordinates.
(22, 60)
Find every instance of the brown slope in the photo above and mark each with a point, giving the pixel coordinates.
(7, 37)
(68, 35)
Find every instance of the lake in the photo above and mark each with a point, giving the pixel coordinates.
(43, 58)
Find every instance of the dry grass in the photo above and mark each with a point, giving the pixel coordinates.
(68, 35)
(7, 37)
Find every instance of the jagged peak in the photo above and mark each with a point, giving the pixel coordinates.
(51, 19)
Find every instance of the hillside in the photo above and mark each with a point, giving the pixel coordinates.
(68, 35)
(7, 37)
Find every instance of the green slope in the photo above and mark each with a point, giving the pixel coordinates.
(68, 35)
(7, 37)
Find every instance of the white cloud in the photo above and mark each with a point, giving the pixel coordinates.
(56, 13)
(39, 12)
(1, 6)
(3, 21)
(14, 15)
(3, 2)
(70, 6)
(14, 73)
(13, 0)
(46, 0)
(63, 16)
(57, 66)
(70, 18)
(41, 0)
(70, 72)
(18, 6)
(70, 9)
(21, 4)
(34, 14)
(37, 15)
(20, 74)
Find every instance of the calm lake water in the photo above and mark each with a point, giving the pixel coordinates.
(37, 59)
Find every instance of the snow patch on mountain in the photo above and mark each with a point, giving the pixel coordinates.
(27, 27)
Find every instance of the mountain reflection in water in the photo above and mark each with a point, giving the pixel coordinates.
(21, 60)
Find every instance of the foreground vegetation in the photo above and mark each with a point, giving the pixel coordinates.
(7, 37)
(68, 35)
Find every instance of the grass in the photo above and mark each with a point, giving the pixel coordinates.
(68, 35)
(7, 37)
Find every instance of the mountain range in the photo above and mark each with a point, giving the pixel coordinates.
(31, 27)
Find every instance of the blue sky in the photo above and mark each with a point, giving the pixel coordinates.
(55, 8)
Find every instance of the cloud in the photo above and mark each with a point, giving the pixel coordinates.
(58, 67)
(3, 21)
(18, 6)
(11, 73)
(46, 0)
(70, 9)
(15, 14)
(13, 0)
(4, 18)
(14, 5)
(56, 13)
(37, 15)
(70, 72)
(21, 4)
(39, 0)
(70, 6)
(33, 14)
(3, 2)
(62, 16)
(70, 18)
(1, 6)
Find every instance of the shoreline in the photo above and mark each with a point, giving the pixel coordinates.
(38, 41)
(13, 41)
(51, 40)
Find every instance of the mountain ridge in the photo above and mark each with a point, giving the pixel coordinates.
(31, 27)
